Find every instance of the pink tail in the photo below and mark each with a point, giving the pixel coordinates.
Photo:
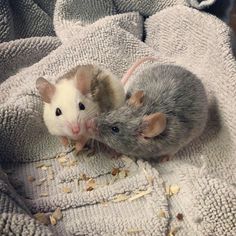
(134, 66)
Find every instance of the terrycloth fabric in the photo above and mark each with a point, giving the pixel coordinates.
(92, 32)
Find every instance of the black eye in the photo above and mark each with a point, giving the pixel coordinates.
(81, 106)
(115, 129)
(58, 112)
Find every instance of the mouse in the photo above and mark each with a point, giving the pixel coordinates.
(166, 108)
(78, 95)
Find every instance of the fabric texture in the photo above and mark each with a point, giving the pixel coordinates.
(47, 38)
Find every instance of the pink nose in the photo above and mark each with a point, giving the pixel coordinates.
(75, 129)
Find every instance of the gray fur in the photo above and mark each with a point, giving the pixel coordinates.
(169, 89)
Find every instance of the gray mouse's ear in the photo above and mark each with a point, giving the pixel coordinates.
(84, 76)
(46, 89)
(136, 99)
(153, 125)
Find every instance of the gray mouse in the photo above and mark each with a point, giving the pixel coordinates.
(166, 108)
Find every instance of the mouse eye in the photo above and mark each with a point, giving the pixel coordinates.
(58, 112)
(81, 106)
(115, 129)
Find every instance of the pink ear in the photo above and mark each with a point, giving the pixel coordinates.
(84, 77)
(46, 89)
(136, 99)
(154, 125)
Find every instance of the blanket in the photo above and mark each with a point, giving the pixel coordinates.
(192, 194)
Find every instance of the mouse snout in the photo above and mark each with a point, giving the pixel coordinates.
(75, 128)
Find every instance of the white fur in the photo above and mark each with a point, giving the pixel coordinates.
(67, 98)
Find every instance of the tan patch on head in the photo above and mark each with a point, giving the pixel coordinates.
(102, 92)
(136, 99)
(155, 124)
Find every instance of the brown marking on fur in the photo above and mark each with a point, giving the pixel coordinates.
(136, 99)
(102, 92)
(155, 124)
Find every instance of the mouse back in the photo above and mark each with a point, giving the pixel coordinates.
(165, 110)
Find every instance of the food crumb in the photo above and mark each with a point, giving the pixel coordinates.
(53, 221)
(172, 232)
(120, 198)
(115, 171)
(42, 218)
(140, 194)
(40, 165)
(180, 216)
(43, 195)
(44, 168)
(161, 214)
(66, 190)
(172, 189)
(57, 214)
(84, 177)
(90, 184)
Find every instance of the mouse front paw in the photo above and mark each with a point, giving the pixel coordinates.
(64, 141)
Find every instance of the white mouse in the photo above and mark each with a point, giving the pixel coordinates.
(79, 95)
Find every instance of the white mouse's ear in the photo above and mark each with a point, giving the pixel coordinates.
(136, 99)
(153, 125)
(46, 89)
(83, 77)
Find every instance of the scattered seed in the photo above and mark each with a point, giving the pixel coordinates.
(162, 214)
(172, 232)
(140, 194)
(44, 168)
(180, 216)
(41, 181)
(62, 160)
(174, 189)
(40, 165)
(149, 178)
(53, 221)
(31, 179)
(66, 190)
(84, 177)
(43, 195)
(115, 171)
(120, 198)
(42, 218)
(90, 184)
(57, 214)
(72, 163)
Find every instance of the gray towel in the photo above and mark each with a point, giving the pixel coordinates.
(136, 204)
